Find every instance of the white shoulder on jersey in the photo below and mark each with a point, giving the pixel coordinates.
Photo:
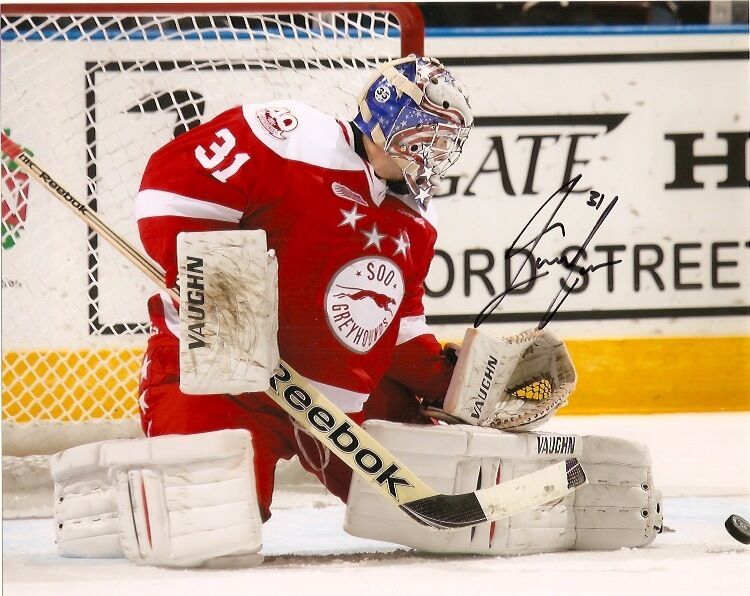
(299, 132)
(429, 213)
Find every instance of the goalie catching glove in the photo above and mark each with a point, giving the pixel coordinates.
(511, 383)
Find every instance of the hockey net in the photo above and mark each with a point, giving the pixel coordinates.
(93, 91)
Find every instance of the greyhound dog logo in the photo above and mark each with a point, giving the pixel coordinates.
(380, 300)
(361, 301)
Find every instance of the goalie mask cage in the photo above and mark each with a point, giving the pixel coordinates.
(93, 90)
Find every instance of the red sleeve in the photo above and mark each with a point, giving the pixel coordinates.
(201, 181)
(418, 363)
(412, 306)
(420, 366)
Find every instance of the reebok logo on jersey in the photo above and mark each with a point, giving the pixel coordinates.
(341, 435)
(361, 301)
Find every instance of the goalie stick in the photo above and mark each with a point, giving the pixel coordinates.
(332, 427)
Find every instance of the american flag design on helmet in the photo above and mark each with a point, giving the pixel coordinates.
(420, 114)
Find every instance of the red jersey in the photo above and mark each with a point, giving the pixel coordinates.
(352, 256)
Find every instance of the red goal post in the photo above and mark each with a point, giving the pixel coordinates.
(407, 14)
(93, 90)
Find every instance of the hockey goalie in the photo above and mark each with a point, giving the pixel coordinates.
(334, 285)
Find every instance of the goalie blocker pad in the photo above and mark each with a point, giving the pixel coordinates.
(618, 508)
(228, 312)
(509, 383)
(175, 500)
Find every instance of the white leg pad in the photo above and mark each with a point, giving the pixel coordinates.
(618, 508)
(85, 506)
(177, 500)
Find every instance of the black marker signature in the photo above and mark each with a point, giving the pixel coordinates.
(595, 200)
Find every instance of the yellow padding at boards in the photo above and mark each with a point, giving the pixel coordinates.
(615, 376)
(660, 375)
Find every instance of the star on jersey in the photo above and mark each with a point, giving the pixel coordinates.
(402, 244)
(350, 218)
(142, 401)
(373, 237)
(144, 367)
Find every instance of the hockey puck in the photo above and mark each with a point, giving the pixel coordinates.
(738, 528)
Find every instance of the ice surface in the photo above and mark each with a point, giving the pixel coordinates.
(308, 553)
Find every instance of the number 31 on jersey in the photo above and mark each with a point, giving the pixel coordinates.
(217, 154)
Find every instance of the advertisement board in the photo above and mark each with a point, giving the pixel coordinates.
(603, 192)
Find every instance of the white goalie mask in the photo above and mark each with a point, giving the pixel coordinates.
(420, 115)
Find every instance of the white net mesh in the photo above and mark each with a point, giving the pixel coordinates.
(92, 96)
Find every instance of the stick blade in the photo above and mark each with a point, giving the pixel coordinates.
(446, 511)
(532, 490)
(496, 502)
